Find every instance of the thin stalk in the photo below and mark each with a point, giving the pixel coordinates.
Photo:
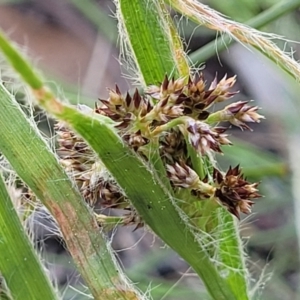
(157, 163)
(263, 42)
(28, 74)
(224, 230)
(108, 223)
(179, 56)
(264, 18)
(19, 265)
(196, 159)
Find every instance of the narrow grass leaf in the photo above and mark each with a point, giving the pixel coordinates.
(146, 40)
(263, 42)
(19, 264)
(32, 159)
(265, 17)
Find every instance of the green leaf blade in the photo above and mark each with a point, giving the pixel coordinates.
(19, 264)
(148, 36)
(34, 162)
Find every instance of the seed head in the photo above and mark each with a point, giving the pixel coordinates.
(124, 110)
(171, 89)
(204, 138)
(165, 110)
(198, 99)
(240, 113)
(172, 146)
(135, 140)
(235, 192)
(183, 176)
(221, 88)
(167, 116)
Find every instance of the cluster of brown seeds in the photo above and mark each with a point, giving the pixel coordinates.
(175, 114)
(93, 181)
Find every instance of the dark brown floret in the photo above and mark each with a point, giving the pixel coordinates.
(183, 176)
(234, 191)
(198, 99)
(240, 113)
(204, 138)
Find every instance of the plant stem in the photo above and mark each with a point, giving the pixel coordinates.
(18, 63)
(264, 18)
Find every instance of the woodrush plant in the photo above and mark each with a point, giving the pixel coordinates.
(150, 153)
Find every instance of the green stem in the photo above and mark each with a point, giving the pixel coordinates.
(156, 161)
(196, 159)
(215, 117)
(179, 56)
(109, 222)
(19, 63)
(171, 124)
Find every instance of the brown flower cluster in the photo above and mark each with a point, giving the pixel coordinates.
(177, 115)
(234, 191)
(79, 161)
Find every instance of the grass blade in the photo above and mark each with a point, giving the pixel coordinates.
(263, 42)
(264, 18)
(147, 46)
(32, 159)
(19, 265)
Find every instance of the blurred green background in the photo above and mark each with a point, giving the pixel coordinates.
(75, 44)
